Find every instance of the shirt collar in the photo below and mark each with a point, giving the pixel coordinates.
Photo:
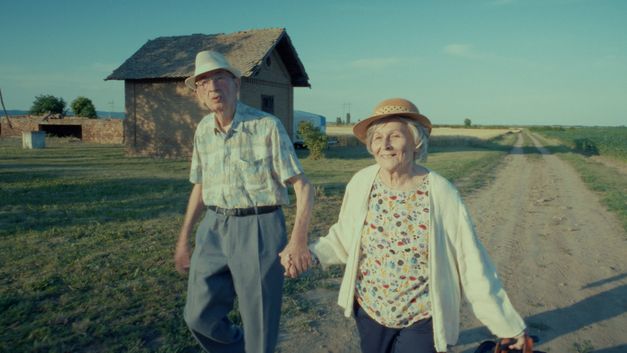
(236, 124)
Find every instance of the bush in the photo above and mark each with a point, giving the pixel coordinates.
(48, 104)
(314, 139)
(586, 146)
(82, 106)
(467, 122)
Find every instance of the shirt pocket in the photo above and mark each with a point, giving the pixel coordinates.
(255, 174)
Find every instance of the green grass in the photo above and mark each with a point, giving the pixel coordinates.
(607, 141)
(87, 238)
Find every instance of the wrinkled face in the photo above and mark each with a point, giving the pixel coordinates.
(393, 146)
(217, 90)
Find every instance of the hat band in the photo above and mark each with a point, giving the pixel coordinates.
(391, 109)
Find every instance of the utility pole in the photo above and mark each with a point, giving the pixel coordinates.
(110, 109)
(5, 111)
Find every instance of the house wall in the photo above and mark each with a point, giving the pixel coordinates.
(272, 80)
(161, 118)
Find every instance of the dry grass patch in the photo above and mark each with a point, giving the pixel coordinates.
(484, 134)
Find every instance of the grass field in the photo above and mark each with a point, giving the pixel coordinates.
(606, 141)
(87, 237)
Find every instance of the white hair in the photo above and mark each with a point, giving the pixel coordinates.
(418, 132)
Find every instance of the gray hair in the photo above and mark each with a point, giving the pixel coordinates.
(418, 132)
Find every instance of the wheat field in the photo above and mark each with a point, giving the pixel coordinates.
(484, 134)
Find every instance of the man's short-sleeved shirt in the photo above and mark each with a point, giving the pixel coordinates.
(246, 167)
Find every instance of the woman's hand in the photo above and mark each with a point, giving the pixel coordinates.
(519, 342)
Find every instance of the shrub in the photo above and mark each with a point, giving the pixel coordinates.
(313, 138)
(83, 106)
(48, 104)
(586, 146)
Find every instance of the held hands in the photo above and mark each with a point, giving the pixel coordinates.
(518, 342)
(295, 258)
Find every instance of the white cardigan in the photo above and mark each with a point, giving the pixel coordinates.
(457, 260)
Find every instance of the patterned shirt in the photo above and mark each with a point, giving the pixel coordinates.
(393, 279)
(249, 165)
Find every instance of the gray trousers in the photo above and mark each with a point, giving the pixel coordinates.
(236, 256)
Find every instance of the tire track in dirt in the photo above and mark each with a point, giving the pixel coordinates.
(558, 251)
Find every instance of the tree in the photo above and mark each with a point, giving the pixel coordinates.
(82, 106)
(313, 138)
(48, 104)
(467, 122)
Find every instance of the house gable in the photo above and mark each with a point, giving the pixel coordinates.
(162, 113)
(173, 57)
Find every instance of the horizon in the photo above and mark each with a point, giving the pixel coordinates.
(495, 62)
(116, 115)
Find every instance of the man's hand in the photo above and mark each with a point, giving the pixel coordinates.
(195, 207)
(295, 258)
(181, 258)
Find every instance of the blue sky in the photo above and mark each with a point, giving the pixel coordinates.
(493, 61)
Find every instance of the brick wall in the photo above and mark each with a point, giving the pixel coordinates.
(104, 131)
(18, 124)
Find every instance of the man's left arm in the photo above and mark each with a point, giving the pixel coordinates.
(296, 257)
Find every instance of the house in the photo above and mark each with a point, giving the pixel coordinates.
(162, 113)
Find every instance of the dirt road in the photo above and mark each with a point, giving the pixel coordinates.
(561, 256)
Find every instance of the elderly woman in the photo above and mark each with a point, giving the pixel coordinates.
(409, 246)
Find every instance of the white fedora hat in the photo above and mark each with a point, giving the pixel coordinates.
(207, 61)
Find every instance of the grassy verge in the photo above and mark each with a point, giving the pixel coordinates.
(606, 141)
(87, 236)
(608, 182)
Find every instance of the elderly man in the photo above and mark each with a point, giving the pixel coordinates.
(242, 162)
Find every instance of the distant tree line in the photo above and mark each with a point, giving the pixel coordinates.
(49, 104)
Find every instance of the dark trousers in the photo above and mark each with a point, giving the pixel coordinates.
(376, 338)
(236, 256)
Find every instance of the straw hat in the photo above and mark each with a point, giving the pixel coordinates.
(387, 108)
(207, 61)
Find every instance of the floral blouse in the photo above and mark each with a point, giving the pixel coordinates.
(393, 279)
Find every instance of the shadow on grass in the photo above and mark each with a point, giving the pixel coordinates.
(68, 202)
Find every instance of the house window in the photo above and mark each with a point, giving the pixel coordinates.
(267, 104)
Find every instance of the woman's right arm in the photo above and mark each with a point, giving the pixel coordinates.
(333, 248)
